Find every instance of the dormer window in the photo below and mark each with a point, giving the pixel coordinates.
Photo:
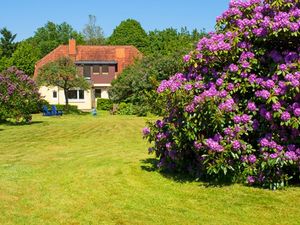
(87, 71)
(96, 69)
(104, 69)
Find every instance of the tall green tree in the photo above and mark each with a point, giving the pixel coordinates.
(129, 32)
(25, 57)
(51, 35)
(170, 40)
(7, 44)
(62, 73)
(93, 34)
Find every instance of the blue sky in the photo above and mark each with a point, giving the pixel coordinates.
(24, 17)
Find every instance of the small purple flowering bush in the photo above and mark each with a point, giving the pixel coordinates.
(234, 113)
(18, 96)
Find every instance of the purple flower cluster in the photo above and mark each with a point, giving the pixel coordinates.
(233, 68)
(241, 119)
(146, 131)
(173, 84)
(227, 106)
(186, 58)
(214, 145)
(285, 116)
(251, 106)
(263, 94)
(236, 144)
(252, 159)
(217, 42)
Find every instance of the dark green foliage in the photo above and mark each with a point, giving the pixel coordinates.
(38, 108)
(7, 45)
(104, 104)
(129, 32)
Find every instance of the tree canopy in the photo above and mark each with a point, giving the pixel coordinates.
(7, 44)
(51, 35)
(129, 32)
(25, 57)
(93, 34)
(170, 40)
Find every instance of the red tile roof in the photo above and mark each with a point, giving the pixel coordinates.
(124, 55)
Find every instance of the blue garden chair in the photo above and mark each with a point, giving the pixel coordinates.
(56, 112)
(46, 112)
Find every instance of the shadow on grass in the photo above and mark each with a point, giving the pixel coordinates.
(150, 165)
(7, 123)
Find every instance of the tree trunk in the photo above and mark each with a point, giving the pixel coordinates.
(66, 98)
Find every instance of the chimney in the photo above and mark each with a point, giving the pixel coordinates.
(72, 48)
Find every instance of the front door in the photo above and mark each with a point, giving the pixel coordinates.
(97, 94)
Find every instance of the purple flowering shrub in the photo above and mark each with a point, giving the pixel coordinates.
(18, 96)
(234, 113)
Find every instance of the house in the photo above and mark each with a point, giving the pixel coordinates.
(98, 64)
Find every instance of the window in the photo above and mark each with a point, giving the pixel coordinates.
(97, 93)
(96, 69)
(104, 69)
(81, 94)
(72, 94)
(86, 71)
(54, 94)
(76, 94)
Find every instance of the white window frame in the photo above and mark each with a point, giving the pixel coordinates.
(77, 94)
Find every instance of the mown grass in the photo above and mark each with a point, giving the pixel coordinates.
(79, 169)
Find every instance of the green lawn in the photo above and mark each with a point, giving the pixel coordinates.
(95, 170)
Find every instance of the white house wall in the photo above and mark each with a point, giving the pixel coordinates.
(104, 92)
(104, 89)
(47, 94)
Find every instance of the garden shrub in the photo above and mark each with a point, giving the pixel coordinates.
(130, 109)
(104, 104)
(18, 96)
(234, 112)
(125, 109)
(38, 108)
(71, 109)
